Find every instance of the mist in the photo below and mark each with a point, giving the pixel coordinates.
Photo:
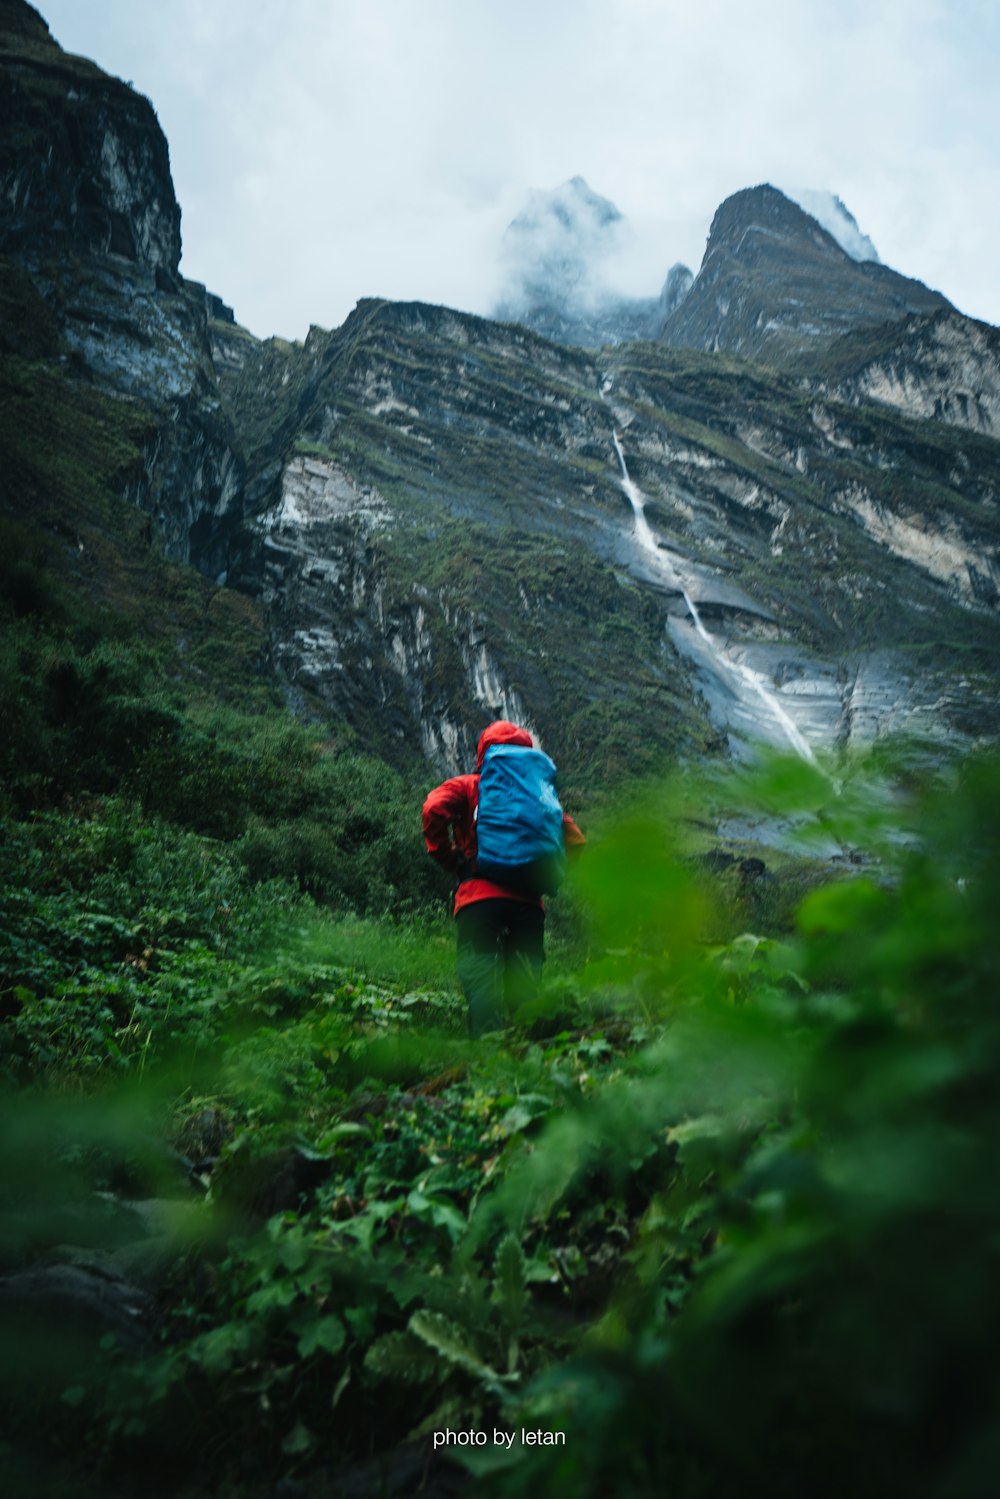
(323, 153)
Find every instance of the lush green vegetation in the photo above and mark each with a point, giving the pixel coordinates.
(721, 1210)
(718, 1211)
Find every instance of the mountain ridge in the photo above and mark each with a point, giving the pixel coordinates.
(773, 284)
(556, 254)
(430, 506)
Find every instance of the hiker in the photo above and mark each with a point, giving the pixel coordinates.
(499, 915)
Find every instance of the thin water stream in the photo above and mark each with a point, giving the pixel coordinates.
(743, 676)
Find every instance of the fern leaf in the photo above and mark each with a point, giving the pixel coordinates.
(450, 1342)
(401, 1356)
(510, 1279)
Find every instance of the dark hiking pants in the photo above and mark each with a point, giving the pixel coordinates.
(500, 956)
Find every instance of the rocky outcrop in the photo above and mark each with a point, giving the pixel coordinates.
(89, 212)
(774, 286)
(398, 664)
(82, 157)
(447, 540)
(85, 1305)
(436, 508)
(945, 367)
(940, 546)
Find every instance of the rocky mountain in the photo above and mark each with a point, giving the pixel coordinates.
(945, 367)
(787, 280)
(90, 214)
(800, 288)
(558, 258)
(452, 532)
(647, 552)
(776, 287)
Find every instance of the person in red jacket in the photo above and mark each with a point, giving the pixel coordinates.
(500, 933)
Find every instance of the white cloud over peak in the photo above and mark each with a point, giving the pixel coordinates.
(325, 150)
(833, 215)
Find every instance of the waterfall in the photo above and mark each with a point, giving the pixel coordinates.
(665, 566)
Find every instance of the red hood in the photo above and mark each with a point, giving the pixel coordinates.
(501, 732)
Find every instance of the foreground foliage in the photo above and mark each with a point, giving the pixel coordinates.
(723, 1210)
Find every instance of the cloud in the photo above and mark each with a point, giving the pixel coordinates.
(836, 218)
(559, 248)
(327, 151)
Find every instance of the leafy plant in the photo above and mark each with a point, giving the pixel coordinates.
(720, 1209)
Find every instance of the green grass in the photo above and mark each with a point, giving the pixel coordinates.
(710, 1149)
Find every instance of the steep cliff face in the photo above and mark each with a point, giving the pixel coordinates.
(647, 554)
(82, 158)
(945, 367)
(872, 543)
(90, 213)
(445, 532)
(776, 287)
(435, 525)
(351, 639)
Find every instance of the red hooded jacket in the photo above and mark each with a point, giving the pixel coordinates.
(450, 822)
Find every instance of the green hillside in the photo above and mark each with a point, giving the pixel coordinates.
(716, 1211)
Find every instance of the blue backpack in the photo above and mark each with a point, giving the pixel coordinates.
(519, 822)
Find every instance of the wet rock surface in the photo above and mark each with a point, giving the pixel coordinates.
(431, 505)
(819, 544)
(943, 368)
(90, 213)
(106, 1284)
(87, 1301)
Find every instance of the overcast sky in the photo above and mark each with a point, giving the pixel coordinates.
(327, 150)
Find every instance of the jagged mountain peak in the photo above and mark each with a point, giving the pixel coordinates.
(560, 254)
(562, 271)
(794, 215)
(21, 20)
(553, 249)
(776, 286)
(765, 212)
(573, 204)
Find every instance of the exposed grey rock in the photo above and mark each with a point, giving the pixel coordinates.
(88, 162)
(945, 367)
(811, 569)
(676, 287)
(431, 505)
(75, 1301)
(774, 286)
(89, 211)
(60, 1308)
(162, 1228)
(338, 639)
